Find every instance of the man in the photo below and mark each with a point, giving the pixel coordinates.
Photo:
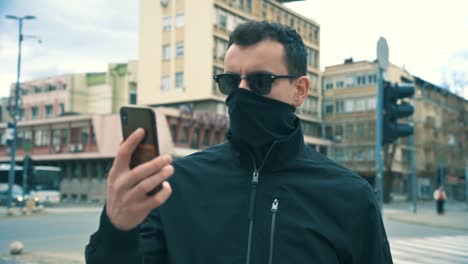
(262, 196)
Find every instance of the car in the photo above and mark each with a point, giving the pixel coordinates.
(17, 191)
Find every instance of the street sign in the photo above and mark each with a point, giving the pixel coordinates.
(382, 53)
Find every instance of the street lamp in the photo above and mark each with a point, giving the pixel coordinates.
(11, 176)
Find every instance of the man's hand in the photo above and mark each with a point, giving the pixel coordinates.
(127, 201)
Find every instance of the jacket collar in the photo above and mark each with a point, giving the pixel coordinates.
(280, 152)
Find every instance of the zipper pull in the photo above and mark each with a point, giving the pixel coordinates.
(274, 206)
(255, 177)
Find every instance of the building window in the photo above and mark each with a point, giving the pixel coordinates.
(56, 137)
(165, 83)
(349, 131)
(371, 103)
(222, 19)
(329, 85)
(339, 154)
(179, 80)
(313, 81)
(179, 20)
(21, 114)
(359, 129)
(340, 106)
(338, 132)
(328, 132)
(167, 25)
(230, 23)
(349, 82)
(360, 105)
(49, 111)
(84, 135)
(329, 107)
(348, 105)
(249, 5)
(64, 136)
(361, 80)
(372, 78)
(179, 49)
(41, 137)
(34, 112)
(166, 52)
(62, 108)
(132, 99)
(339, 84)
(312, 58)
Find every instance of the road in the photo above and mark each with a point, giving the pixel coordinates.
(69, 231)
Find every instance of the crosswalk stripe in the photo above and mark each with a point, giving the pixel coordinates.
(428, 257)
(430, 250)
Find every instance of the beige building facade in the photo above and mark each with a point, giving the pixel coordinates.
(182, 44)
(81, 93)
(349, 107)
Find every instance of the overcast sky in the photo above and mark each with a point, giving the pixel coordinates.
(428, 38)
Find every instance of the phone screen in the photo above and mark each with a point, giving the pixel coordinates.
(133, 118)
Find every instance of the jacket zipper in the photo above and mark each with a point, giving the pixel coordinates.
(274, 210)
(253, 193)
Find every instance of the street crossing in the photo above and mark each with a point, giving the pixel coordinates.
(430, 250)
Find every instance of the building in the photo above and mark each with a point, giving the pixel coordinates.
(350, 115)
(441, 125)
(83, 93)
(4, 110)
(182, 44)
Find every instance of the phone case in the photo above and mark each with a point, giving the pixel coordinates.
(134, 117)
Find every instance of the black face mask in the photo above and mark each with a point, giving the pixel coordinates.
(257, 121)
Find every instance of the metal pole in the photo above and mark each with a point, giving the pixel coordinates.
(11, 176)
(378, 143)
(466, 184)
(441, 171)
(413, 175)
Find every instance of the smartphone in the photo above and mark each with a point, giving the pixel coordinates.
(132, 118)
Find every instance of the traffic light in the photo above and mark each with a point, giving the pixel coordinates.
(394, 108)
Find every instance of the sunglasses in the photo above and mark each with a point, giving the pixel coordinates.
(259, 82)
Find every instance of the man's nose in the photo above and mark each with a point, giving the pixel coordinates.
(244, 84)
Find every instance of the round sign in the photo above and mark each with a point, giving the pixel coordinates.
(382, 53)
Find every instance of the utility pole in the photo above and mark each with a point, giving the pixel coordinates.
(382, 59)
(11, 176)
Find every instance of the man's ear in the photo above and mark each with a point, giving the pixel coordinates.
(301, 90)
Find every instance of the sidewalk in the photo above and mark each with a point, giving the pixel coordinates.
(455, 217)
(16, 212)
(43, 258)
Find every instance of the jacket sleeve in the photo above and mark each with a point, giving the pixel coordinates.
(374, 246)
(143, 244)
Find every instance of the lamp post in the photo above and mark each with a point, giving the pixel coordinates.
(11, 176)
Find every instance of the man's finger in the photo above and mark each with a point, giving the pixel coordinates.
(126, 149)
(145, 170)
(150, 183)
(159, 198)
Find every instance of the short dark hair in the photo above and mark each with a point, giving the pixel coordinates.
(253, 32)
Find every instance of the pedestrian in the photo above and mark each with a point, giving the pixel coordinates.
(262, 196)
(440, 196)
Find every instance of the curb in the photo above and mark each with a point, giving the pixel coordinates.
(430, 224)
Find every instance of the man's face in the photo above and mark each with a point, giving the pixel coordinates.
(266, 56)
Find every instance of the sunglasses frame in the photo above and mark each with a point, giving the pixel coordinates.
(270, 77)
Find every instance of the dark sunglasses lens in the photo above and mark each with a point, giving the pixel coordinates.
(260, 83)
(228, 83)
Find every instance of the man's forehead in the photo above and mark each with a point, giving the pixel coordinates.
(264, 56)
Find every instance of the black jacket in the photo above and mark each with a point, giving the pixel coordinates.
(296, 207)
